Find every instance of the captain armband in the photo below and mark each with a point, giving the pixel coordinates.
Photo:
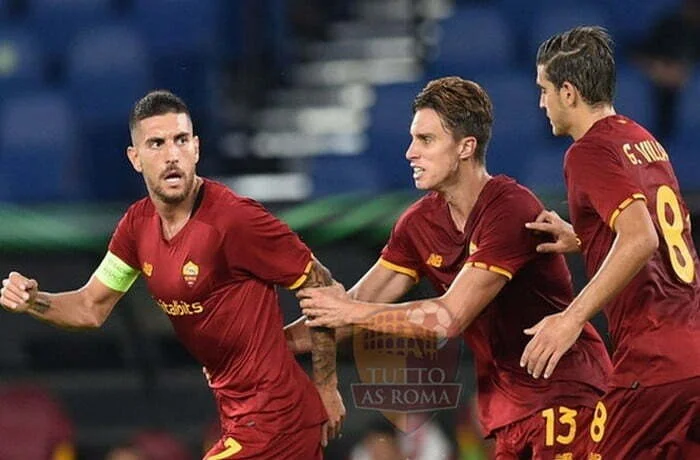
(115, 273)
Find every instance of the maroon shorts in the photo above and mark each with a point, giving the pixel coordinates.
(657, 422)
(558, 433)
(249, 443)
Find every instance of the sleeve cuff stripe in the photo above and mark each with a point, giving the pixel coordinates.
(623, 205)
(399, 269)
(491, 268)
(303, 276)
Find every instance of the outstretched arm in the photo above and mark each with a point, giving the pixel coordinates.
(468, 295)
(85, 308)
(379, 284)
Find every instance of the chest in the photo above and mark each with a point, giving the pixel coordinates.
(442, 253)
(186, 268)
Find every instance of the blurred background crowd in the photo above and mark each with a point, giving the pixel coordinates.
(301, 104)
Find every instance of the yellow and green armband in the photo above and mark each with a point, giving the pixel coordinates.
(115, 273)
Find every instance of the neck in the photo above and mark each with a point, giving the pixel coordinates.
(175, 215)
(462, 195)
(588, 117)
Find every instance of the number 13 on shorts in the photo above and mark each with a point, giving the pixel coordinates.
(560, 424)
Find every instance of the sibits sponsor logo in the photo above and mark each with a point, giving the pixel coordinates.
(179, 307)
(408, 379)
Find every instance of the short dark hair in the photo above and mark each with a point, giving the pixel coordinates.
(158, 102)
(583, 56)
(464, 109)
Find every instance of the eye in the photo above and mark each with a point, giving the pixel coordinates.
(155, 143)
(182, 140)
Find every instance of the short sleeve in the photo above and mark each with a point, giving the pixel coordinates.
(598, 174)
(258, 243)
(123, 242)
(399, 254)
(503, 245)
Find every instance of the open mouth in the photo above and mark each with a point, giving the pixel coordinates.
(417, 172)
(173, 176)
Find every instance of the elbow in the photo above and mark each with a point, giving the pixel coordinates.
(91, 319)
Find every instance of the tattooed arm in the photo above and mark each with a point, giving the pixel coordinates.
(323, 356)
(85, 308)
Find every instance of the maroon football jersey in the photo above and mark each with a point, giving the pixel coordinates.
(216, 282)
(425, 242)
(655, 321)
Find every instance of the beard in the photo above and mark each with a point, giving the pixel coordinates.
(175, 196)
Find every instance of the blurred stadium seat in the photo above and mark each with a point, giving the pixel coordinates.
(388, 133)
(33, 425)
(689, 109)
(633, 97)
(108, 69)
(180, 36)
(57, 22)
(473, 39)
(549, 21)
(39, 149)
(21, 61)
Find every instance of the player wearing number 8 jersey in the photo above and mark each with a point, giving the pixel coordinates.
(634, 233)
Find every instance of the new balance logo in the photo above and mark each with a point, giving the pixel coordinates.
(435, 260)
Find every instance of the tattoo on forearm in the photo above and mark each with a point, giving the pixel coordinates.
(323, 347)
(40, 305)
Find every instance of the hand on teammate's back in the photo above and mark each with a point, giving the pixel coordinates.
(565, 239)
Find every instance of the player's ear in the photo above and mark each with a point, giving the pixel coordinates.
(195, 139)
(569, 93)
(467, 147)
(133, 156)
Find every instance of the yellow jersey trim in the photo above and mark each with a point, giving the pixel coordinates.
(399, 269)
(491, 268)
(115, 273)
(623, 205)
(303, 276)
(232, 448)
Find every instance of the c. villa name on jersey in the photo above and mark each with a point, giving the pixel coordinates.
(649, 150)
(180, 308)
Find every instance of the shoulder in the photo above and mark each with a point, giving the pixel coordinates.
(141, 209)
(419, 210)
(227, 209)
(505, 192)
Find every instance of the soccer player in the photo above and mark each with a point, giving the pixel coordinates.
(634, 231)
(468, 237)
(211, 260)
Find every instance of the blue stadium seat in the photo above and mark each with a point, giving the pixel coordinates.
(543, 171)
(388, 133)
(633, 97)
(333, 175)
(21, 62)
(180, 35)
(688, 117)
(57, 22)
(683, 151)
(634, 19)
(39, 149)
(518, 121)
(550, 21)
(108, 69)
(473, 40)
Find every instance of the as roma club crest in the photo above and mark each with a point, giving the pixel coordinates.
(190, 272)
(407, 379)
